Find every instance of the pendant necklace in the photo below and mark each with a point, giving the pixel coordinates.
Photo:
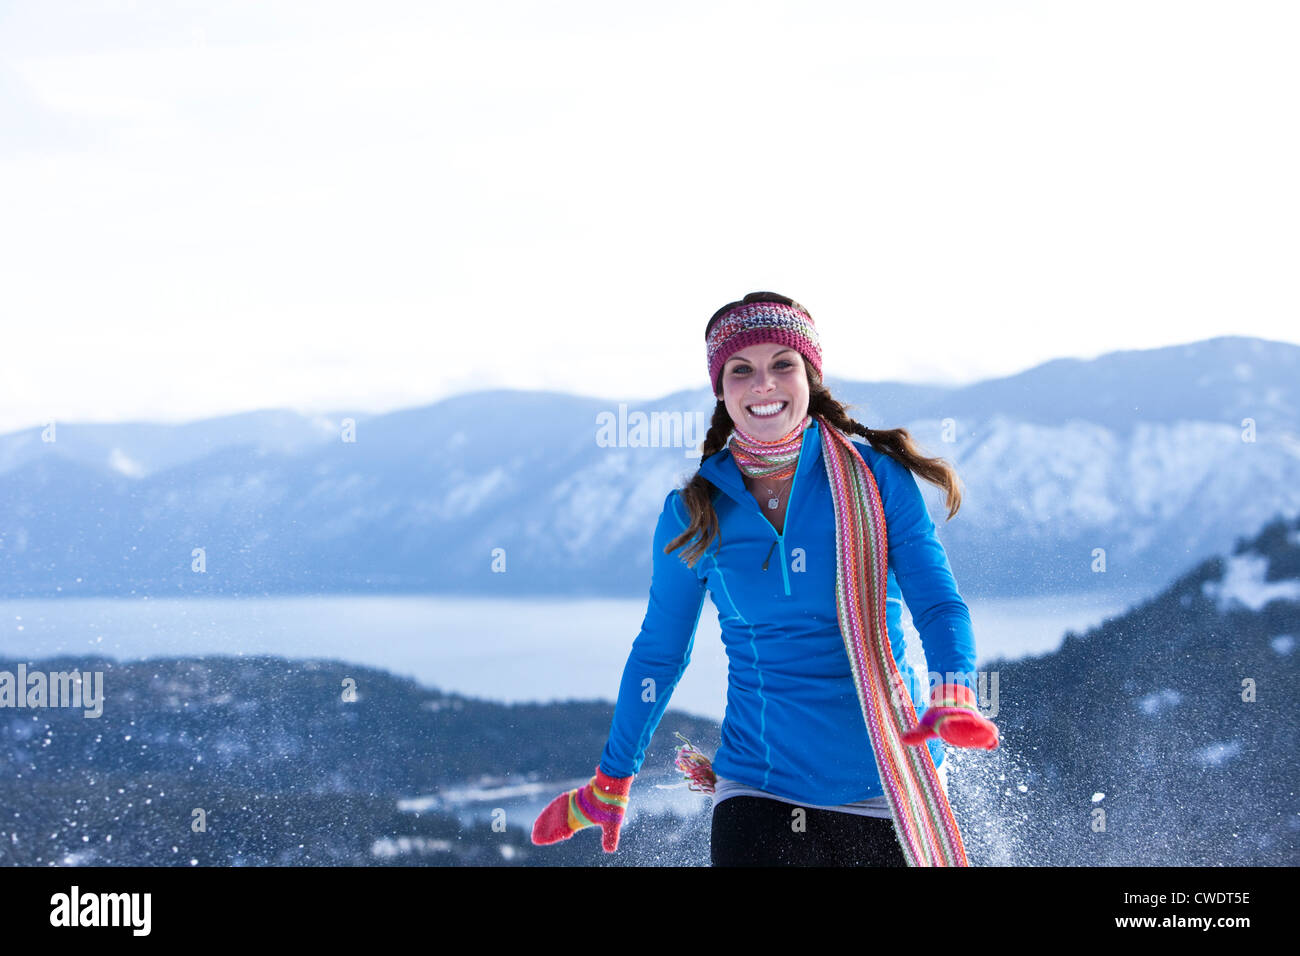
(773, 502)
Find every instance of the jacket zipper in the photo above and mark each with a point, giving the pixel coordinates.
(780, 535)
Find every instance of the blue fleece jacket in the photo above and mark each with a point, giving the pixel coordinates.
(793, 726)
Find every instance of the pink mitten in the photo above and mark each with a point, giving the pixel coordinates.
(954, 717)
(601, 803)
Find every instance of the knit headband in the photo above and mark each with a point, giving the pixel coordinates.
(754, 324)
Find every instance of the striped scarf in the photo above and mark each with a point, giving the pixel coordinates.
(923, 819)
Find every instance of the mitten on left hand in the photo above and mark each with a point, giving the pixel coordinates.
(601, 803)
(954, 717)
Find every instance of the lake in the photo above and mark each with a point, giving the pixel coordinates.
(512, 651)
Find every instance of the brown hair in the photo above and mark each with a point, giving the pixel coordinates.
(897, 443)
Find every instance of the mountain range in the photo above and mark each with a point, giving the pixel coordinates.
(1117, 471)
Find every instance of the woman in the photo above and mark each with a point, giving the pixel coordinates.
(808, 541)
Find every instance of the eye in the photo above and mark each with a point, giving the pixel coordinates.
(741, 369)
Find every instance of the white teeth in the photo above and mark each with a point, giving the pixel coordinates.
(766, 411)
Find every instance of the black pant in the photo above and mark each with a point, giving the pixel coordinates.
(755, 831)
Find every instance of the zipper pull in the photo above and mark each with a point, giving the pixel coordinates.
(769, 555)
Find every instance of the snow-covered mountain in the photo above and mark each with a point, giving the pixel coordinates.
(1162, 737)
(140, 449)
(1122, 470)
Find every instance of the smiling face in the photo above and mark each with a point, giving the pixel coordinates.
(765, 375)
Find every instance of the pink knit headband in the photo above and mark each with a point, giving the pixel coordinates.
(755, 324)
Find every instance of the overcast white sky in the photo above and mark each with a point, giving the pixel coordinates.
(214, 207)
